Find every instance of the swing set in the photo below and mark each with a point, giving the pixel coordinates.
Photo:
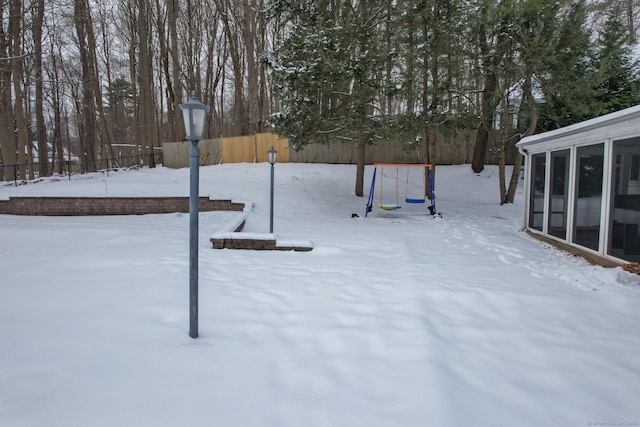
(396, 172)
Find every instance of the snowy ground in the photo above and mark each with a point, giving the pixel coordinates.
(398, 319)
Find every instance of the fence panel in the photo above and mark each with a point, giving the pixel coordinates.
(455, 149)
(238, 149)
(210, 152)
(176, 154)
(264, 142)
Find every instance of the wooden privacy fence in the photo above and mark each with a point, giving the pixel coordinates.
(237, 149)
(253, 148)
(454, 149)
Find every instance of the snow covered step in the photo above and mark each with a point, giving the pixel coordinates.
(230, 236)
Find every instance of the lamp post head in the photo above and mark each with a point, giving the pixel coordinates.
(273, 154)
(194, 113)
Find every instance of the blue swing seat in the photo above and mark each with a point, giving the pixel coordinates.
(414, 200)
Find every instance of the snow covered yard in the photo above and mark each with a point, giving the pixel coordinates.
(398, 319)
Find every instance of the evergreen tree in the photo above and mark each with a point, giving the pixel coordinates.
(431, 41)
(568, 81)
(327, 74)
(618, 84)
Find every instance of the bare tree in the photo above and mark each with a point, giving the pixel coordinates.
(56, 107)
(106, 135)
(169, 63)
(148, 128)
(41, 129)
(15, 24)
(228, 15)
(87, 108)
(216, 58)
(8, 147)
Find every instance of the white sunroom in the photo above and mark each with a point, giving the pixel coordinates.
(583, 185)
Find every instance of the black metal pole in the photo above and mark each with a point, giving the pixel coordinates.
(271, 206)
(194, 166)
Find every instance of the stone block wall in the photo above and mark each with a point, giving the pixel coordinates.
(86, 206)
(237, 241)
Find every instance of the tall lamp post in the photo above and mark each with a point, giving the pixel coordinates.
(273, 154)
(195, 114)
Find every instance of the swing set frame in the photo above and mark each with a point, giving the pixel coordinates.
(428, 171)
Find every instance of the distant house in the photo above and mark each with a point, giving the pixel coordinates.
(51, 155)
(583, 186)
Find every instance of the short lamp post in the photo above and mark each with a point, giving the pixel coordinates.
(273, 154)
(195, 114)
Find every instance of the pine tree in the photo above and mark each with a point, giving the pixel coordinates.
(619, 83)
(568, 81)
(327, 74)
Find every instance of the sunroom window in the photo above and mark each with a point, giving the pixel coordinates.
(624, 242)
(536, 205)
(589, 196)
(558, 205)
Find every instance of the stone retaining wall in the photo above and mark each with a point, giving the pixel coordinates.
(84, 206)
(229, 237)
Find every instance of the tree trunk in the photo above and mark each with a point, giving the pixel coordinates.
(17, 70)
(240, 112)
(410, 72)
(489, 62)
(631, 21)
(533, 122)
(106, 136)
(8, 151)
(88, 108)
(169, 64)
(134, 75)
(263, 97)
(249, 35)
(149, 128)
(176, 95)
(361, 151)
(214, 80)
(7, 133)
(41, 130)
(504, 136)
(57, 120)
(487, 109)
